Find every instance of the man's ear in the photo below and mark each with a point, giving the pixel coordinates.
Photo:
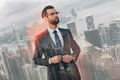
(44, 18)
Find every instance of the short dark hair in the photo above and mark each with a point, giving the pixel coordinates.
(44, 11)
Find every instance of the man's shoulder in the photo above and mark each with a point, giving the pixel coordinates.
(63, 29)
(41, 36)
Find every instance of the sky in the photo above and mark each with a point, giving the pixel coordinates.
(19, 11)
(102, 14)
(28, 11)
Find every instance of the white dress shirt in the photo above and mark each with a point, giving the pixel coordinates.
(52, 35)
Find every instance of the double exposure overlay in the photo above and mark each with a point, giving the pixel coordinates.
(95, 26)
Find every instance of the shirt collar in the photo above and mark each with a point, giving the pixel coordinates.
(51, 30)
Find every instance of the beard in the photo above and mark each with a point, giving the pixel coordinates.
(55, 22)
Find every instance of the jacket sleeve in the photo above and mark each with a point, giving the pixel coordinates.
(39, 57)
(74, 46)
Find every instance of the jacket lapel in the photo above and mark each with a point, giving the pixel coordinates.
(49, 39)
(62, 32)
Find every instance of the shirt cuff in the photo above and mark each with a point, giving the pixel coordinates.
(49, 61)
(74, 57)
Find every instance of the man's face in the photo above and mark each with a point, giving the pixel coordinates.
(52, 16)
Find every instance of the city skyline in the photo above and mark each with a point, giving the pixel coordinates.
(18, 13)
(98, 21)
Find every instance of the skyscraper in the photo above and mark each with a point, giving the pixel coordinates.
(115, 32)
(90, 22)
(93, 37)
(72, 28)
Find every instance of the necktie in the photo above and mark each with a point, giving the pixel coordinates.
(57, 40)
(58, 45)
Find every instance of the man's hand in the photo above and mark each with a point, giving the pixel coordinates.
(67, 58)
(56, 59)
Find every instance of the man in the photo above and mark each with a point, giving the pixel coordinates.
(53, 49)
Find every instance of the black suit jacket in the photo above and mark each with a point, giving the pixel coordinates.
(45, 49)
